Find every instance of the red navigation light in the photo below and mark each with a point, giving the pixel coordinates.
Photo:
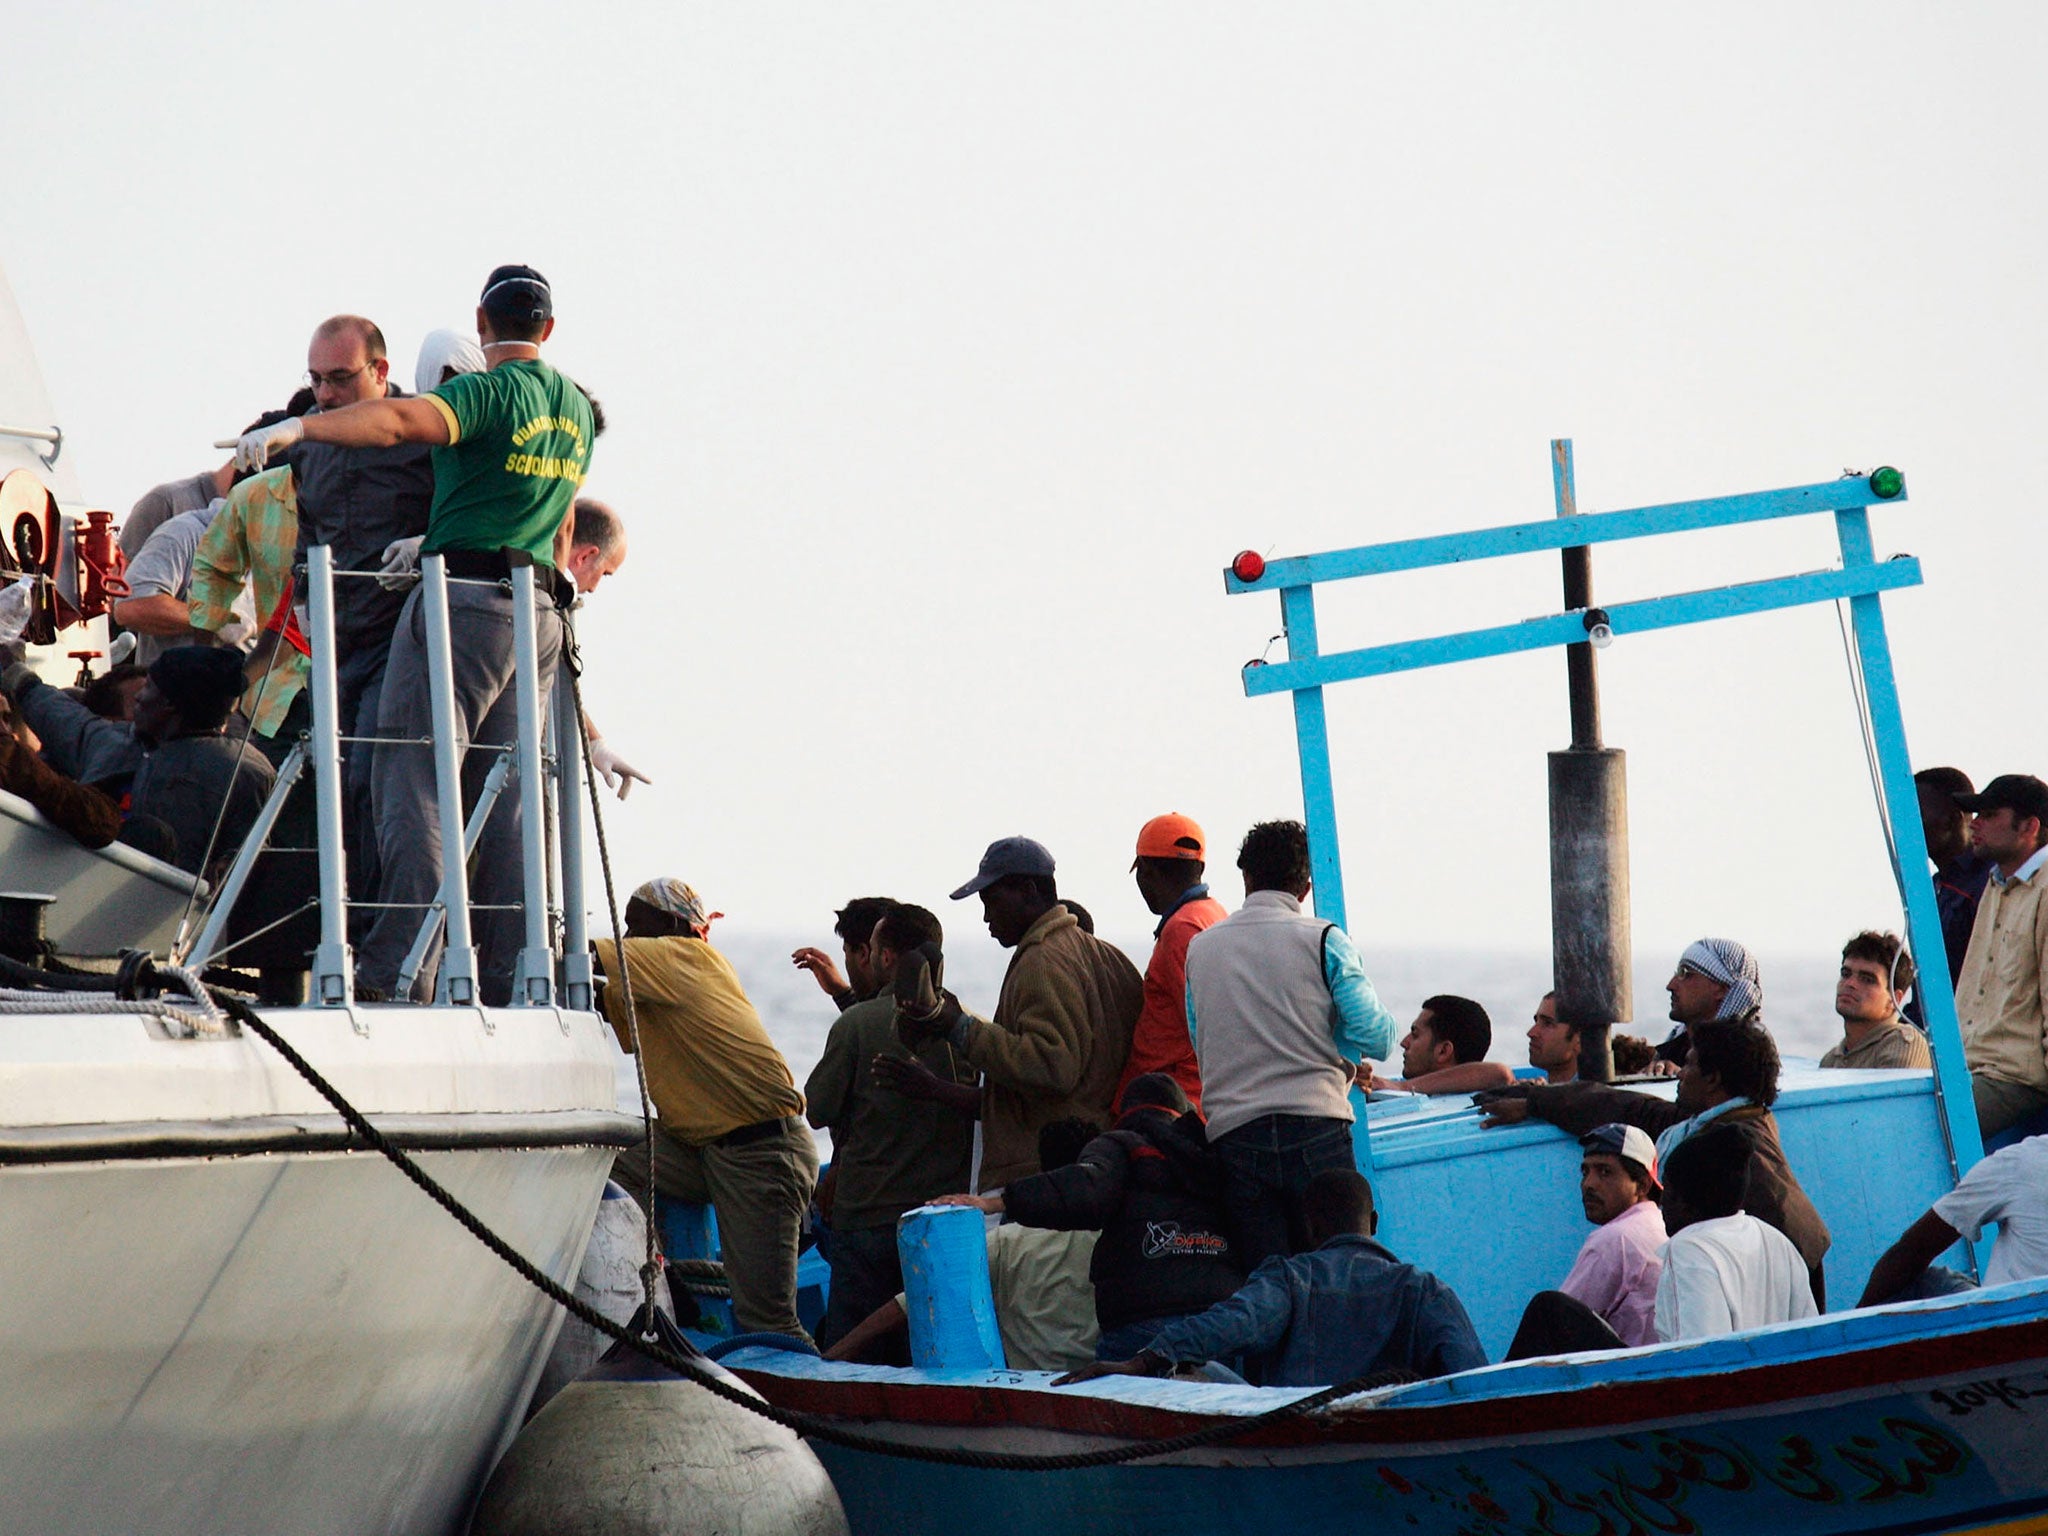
(1249, 565)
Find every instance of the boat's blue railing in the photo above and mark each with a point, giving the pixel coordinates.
(1860, 579)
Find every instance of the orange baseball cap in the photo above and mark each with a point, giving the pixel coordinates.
(1172, 836)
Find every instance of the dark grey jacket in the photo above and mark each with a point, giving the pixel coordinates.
(356, 501)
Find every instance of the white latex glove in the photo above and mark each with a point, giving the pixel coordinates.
(253, 450)
(17, 603)
(233, 633)
(401, 559)
(617, 772)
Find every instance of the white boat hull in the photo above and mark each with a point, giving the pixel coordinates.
(282, 1336)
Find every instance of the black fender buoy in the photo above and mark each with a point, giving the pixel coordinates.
(631, 1448)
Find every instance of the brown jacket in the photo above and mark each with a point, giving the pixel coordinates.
(79, 809)
(1057, 1044)
(1774, 1195)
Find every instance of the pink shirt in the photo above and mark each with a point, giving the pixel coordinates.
(1617, 1269)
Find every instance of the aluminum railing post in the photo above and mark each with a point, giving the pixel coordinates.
(533, 979)
(458, 959)
(430, 925)
(245, 861)
(333, 981)
(576, 973)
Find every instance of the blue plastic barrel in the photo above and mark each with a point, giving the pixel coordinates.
(944, 1249)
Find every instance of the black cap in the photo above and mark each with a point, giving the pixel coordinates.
(198, 678)
(518, 293)
(1007, 856)
(2020, 793)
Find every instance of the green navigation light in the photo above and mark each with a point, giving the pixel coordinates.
(1886, 482)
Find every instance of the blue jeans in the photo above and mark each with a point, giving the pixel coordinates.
(1267, 1163)
(1937, 1280)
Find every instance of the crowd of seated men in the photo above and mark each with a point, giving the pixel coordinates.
(1218, 1211)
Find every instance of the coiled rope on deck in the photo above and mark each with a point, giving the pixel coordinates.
(195, 1014)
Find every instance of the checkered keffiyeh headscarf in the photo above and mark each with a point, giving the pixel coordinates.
(670, 895)
(1735, 968)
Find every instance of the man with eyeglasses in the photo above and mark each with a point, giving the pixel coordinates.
(357, 500)
(510, 447)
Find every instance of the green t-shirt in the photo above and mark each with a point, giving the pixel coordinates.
(518, 447)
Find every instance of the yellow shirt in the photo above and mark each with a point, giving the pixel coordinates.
(711, 1067)
(1998, 996)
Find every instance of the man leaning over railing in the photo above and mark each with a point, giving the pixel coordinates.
(513, 444)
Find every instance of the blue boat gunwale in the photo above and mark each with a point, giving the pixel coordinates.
(1435, 1131)
(1895, 1348)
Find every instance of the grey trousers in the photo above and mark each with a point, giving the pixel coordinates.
(760, 1191)
(2002, 1105)
(359, 679)
(402, 782)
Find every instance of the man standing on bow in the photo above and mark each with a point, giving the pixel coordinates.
(1062, 1026)
(1999, 996)
(731, 1133)
(1960, 872)
(512, 445)
(1282, 1013)
(1168, 869)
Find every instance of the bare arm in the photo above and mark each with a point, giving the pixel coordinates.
(886, 1319)
(1465, 1077)
(160, 614)
(1907, 1259)
(379, 424)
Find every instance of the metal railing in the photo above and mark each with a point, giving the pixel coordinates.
(544, 755)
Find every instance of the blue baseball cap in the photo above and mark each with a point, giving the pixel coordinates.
(1630, 1143)
(1007, 856)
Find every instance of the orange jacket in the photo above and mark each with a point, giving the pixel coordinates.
(1159, 1041)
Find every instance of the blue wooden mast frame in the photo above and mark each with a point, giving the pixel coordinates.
(1861, 579)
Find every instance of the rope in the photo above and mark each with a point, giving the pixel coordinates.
(202, 1017)
(650, 1268)
(1859, 690)
(701, 1277)
(19, 1003)
(809, 1425)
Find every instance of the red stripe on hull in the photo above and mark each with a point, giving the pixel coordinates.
(1588, 1407)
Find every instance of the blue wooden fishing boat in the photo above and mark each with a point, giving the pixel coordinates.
(1917, 1417)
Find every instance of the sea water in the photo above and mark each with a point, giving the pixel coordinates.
(1799, 992)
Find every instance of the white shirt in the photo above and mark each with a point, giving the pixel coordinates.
(1729, 1273)
(2009, 1187)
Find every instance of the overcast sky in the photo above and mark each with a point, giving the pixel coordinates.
(950, 352)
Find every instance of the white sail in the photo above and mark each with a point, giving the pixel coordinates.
(25, 406)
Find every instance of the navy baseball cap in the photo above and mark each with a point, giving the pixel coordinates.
(1007, 856)
(518, 293)
(1630, 1143)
